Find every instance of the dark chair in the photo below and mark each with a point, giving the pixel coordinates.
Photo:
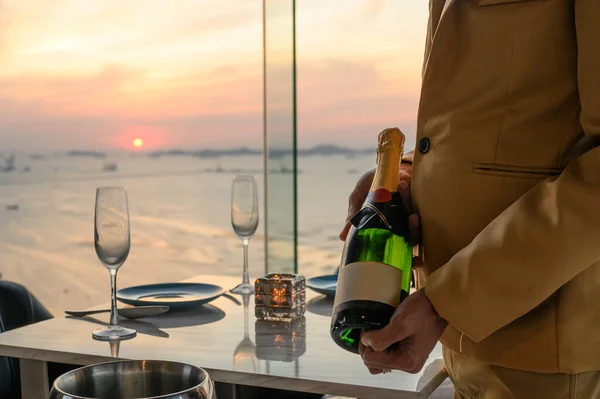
(18, 308)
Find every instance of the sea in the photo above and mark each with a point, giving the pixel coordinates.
(180, 213)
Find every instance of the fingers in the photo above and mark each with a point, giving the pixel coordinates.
(373, 369)
(406, 172)
(396, 358)
(405, 176)
(382, 339)
(356, 200)
(399, 357)
(360, 192)
(404, 189)
(361, 348)
(414, 222)
(344, 233)
(379, 360)
(352, 211)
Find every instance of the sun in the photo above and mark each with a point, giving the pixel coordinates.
(138, 143)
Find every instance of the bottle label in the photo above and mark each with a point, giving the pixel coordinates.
(369, 281)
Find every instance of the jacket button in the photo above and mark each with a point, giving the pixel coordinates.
(424, 145)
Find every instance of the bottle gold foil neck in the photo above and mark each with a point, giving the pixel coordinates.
(391, 139)
(389, 153)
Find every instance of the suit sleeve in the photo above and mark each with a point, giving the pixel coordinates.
(545, 238)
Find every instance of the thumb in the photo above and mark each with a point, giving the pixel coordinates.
(382, 339)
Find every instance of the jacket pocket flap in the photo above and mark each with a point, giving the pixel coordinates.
(495, 2)
(528, 172)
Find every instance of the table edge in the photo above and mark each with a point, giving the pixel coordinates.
(240, 377)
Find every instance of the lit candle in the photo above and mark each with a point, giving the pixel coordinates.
(280, 297)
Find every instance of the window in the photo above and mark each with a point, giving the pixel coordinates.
(167, 100)
(359, 72)
(126, 93)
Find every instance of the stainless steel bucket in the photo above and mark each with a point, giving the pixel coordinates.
(137, 379)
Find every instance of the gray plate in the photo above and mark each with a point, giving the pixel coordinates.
(325, 285)
(174, 295)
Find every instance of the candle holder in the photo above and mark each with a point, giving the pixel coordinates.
(280, 297)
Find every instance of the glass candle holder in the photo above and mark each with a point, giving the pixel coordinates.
(280, 297)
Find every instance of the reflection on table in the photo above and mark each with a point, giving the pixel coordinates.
(298, 356)
(284, 342)
(320, 305)
(244, 358)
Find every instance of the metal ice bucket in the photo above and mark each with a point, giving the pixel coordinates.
(138, 379)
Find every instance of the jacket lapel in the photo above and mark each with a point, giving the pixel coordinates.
(447, 6)
(434, 12)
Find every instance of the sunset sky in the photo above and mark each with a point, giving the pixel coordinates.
(188, 73)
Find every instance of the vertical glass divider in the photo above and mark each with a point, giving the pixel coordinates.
(295, 133)
(280, 136)
(265, 138)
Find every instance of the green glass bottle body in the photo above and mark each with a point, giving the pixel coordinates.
(376, 266)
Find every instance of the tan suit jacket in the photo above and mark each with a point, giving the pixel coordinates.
(507, 180)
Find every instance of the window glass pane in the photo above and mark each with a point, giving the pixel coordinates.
(129, 93)
(359, 71)
(280, 136)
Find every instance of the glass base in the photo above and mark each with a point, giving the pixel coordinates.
(114, 333)
(244, 288)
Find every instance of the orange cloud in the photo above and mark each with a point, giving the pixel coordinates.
(336, 96)
(88, 74)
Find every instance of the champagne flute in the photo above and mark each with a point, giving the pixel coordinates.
(112, 242)
(244, 219)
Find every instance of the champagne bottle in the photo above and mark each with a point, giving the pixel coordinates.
(375, 272)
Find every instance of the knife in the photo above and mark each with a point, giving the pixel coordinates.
(136, 312)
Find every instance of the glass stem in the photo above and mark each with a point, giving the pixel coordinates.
(246, 303)
(245, 278)
(114, 315)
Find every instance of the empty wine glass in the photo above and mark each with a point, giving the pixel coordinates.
(112, 242)
(244, 219)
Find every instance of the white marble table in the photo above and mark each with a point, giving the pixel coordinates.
(213, 337)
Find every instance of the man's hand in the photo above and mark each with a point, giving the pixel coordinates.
(405, 343)
(360, 192)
